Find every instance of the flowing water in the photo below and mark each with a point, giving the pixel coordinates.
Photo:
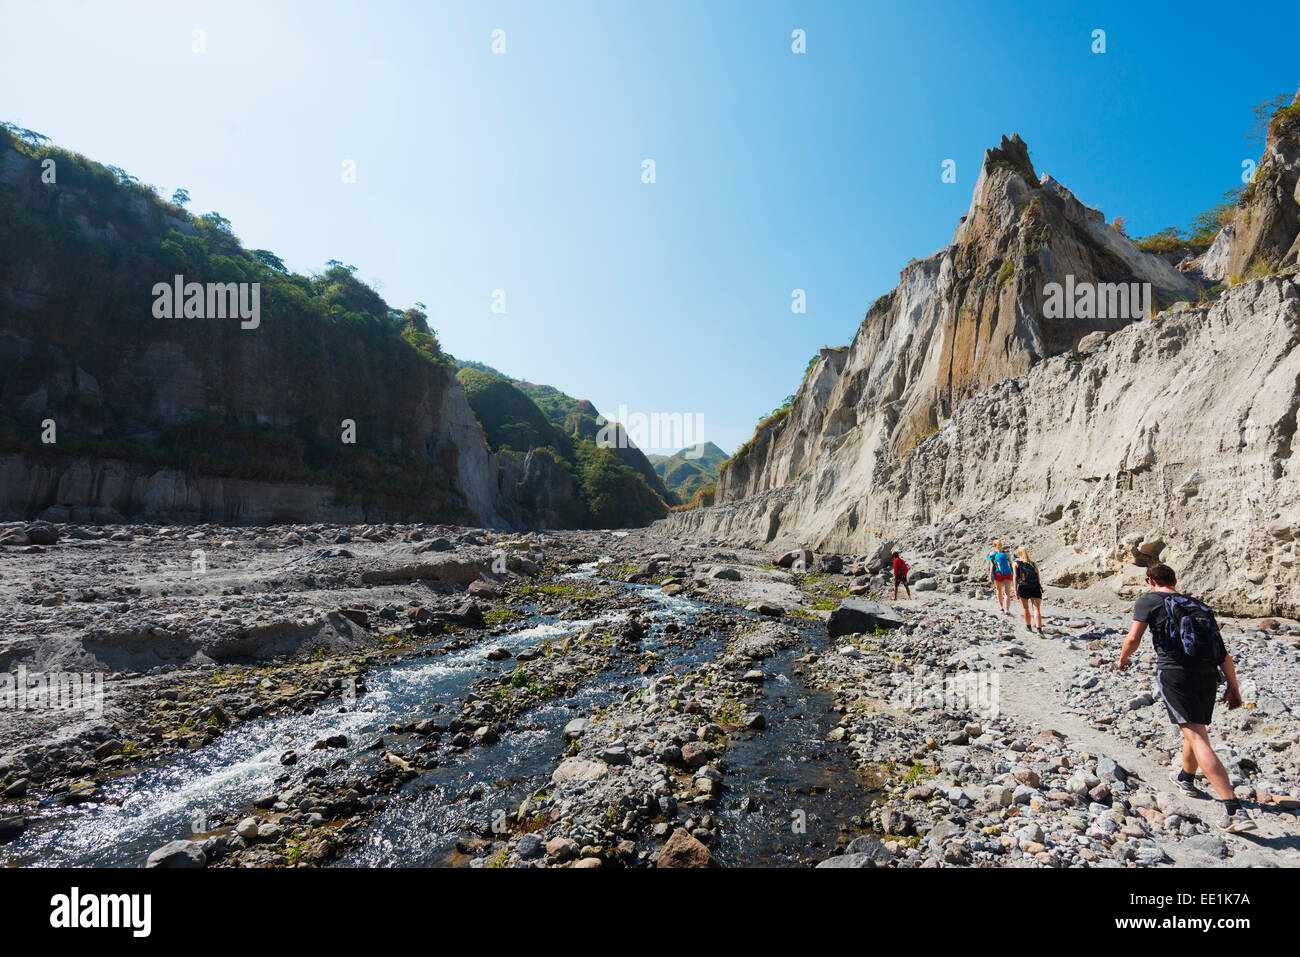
(803, 787)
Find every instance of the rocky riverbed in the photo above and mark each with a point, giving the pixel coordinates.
(380, 695)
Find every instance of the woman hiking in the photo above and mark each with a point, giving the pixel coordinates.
(1000, 575)
(1028, 587)
(900, 576)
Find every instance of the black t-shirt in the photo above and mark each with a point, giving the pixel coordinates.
(1150, 608)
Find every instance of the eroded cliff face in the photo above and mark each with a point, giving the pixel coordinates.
(1178, 430)
(97, 490)
(1264, 237)
(539, 489)
(81, 347)
(959, 395)
(966, 317)
(176, 373)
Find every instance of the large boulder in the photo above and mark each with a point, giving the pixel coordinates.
(682, 850)
(880, 557)
(576, 769)
(800, 557)
(41, 533)
(831, 564)
(434, 545)
(11, 827)
(856, 616)
(576, 729)
(1152, 544)
(1131, 582)
(470, 615)
(445, 568)
(178, 854)
(872, 847)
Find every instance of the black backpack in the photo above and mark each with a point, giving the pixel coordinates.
(1190, 630)
(1028, 573)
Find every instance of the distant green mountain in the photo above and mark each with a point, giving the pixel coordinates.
(611, 487)
(689, 470)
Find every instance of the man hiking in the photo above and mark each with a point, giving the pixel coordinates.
(1000, 575)
(900, 576)
(1189, 654)
(1028, 587)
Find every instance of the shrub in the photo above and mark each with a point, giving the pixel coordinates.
(704, 497)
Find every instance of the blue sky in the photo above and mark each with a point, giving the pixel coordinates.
(522, 171)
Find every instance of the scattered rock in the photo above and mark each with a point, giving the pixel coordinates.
(683, 850)
(178, 854)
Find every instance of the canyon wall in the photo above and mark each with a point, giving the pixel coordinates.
(960, 394)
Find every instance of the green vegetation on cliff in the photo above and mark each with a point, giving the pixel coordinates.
(82, 246)
(1199, 234)
(608, 490)
(330, 385)
(581, 420)
(509, 418)
(1273, 114)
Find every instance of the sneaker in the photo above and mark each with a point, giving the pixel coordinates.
(1187, 787)
(1040, 632)
(1236, 823)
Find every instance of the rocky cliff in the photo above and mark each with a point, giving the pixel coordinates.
(328, 405)
(1263, 236)
(255, 414)
(964, 391)
(959, 321)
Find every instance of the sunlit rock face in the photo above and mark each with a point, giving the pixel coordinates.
(965, 389)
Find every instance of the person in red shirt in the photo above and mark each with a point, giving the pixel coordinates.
(900, 576)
